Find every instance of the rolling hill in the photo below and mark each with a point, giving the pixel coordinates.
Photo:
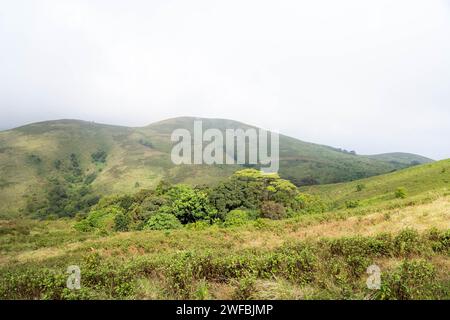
(77, 158)
(415, 181)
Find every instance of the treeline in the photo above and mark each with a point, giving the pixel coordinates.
(246, 195)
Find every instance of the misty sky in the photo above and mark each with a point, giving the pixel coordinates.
(371, 76)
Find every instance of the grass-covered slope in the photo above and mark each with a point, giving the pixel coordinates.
(86, 158)
(401, 158)
(312, 255)
(431, 177)
(317, 256)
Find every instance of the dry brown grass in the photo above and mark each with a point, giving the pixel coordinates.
(435, 214)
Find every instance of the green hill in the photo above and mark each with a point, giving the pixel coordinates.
(79, 159)
(431, 177)
(401, 158)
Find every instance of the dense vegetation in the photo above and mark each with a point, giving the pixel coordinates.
(248, 191)
(65, 194)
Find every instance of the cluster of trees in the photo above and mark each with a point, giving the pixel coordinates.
(65, 194)
(246, 195)
(99, 156)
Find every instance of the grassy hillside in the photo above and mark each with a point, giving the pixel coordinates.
(401, 157)
(318, 256)
(82, 159)
(432, 177)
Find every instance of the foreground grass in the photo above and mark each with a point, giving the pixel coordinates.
(319, 256)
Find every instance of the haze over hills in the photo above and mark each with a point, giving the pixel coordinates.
(85, 157)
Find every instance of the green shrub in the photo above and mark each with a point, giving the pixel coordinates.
(350, 204)
(379, 246)
(245, 288)
(198, 225)
(162, 221)
(236, 217)
(261, 224)
(202, 292)
(121, 222)
(298, 264)
(306, 203)
(400, 193)
(408, 242)
(102, 219)
(414, 279)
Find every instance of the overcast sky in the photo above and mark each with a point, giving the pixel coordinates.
(373, 76)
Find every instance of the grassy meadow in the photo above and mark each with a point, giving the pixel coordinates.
(306, 255)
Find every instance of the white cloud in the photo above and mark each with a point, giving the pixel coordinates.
(366, 75)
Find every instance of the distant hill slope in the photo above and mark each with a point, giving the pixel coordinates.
(116, 159)
(431, 177)
(401, 158)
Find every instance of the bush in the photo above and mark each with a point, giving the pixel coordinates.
(236, 217)
(272, 210)
(245, 288)
(308, 204)
(350, 204)
(400, 193)
(101, 219)
(408, 242)
(121, 222)
(198, 225)
(411, 280)
(162, 221)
